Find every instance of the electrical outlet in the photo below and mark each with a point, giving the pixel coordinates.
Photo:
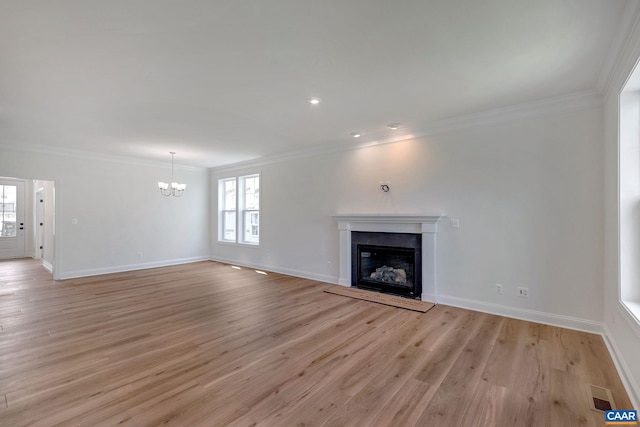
(455, 223)
(523, 292)
(140, 255)
(499, 289)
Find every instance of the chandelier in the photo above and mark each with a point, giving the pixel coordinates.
(174, 189)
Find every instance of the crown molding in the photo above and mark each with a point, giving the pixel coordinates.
(89, 155)
(623, 53)
(544, 107)
(550, 106)
(626, 28)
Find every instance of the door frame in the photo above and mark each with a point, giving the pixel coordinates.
(55, 199)
(19, 245)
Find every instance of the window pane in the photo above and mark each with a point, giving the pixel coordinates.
(252, 192)
(8, 194)
(239, 204)
(229, 194)
(229, 225)
(251, 227)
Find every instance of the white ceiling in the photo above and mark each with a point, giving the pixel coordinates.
(226, 81)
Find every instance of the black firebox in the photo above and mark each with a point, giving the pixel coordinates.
(387, 262)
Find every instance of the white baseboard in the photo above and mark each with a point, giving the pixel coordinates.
(47, 265)
(428, 297)
(633, 390)
(288, 271)
(524, 314)
(129, 267)
(501, 310)
(631, 386)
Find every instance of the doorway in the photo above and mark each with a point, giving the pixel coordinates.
(12, 222)
(27, 220)
(41, 241)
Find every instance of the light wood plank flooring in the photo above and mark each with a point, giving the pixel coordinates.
(207, 345)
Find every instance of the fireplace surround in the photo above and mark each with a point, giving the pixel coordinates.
(424, 226)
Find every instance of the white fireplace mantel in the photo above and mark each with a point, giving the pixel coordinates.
(427, 225)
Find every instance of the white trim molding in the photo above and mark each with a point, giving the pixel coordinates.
(535, 316)
(130, 267)
(568, 322)
(275, 269)
(631, 386)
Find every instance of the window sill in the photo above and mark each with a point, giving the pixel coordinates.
(630, 311)
(634, 309)
(242, 245)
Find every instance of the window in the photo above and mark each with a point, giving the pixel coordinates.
(629, 196)
(239, 208)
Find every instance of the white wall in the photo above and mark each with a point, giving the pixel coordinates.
(622, 331)
(120, 212)
(528, 194)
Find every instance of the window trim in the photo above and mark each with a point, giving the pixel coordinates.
(239, 210)
(628, 138)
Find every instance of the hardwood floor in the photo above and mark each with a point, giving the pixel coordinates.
(207, 345)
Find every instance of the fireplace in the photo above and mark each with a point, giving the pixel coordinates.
(423, 275)
(387, 262)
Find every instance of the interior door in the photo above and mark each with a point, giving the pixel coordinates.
(39, 224)
(12, 225)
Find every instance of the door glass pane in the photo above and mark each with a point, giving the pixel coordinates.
(8, 201)
(229, 225)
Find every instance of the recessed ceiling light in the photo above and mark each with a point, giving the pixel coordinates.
(314, 101)
(356, 134)
(394, 126)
